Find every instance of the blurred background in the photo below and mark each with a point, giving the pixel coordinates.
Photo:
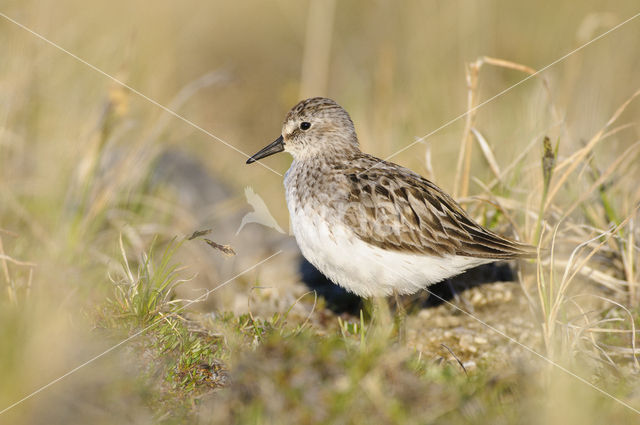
(86, 162)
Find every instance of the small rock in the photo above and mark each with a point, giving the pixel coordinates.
(466, 343)
(480, 340)
(469, 365)
(424, 314)
(477, 298)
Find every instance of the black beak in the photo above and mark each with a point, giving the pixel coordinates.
(275, 147)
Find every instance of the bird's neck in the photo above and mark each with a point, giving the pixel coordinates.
(327, 155)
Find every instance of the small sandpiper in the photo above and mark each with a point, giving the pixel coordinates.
(372, 226)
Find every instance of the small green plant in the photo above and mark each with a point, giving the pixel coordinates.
(185, 356)
(348, 329)
(149, 294)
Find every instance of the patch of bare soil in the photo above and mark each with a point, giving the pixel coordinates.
(501, 306)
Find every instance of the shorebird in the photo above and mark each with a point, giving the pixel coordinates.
(371, 226)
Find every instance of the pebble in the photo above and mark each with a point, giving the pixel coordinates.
(469, 365)
(480, 340)
(466, 343)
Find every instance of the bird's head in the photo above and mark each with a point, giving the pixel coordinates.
(314, 127)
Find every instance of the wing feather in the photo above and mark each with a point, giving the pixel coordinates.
(394, 208)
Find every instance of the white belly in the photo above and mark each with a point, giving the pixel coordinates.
(364, 269)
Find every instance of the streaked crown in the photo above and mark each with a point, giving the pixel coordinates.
(318, 126)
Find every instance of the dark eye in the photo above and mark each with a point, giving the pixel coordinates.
(305, 125)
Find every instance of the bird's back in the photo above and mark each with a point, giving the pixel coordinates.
(393, 208)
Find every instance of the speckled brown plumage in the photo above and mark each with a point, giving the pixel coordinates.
(424, 218)
(394, 222)
(391, 207)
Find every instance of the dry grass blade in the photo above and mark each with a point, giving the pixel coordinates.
(4, 257)
(488, 154)
(184, 95)
(628, 155)
(574, 160)
(463, 168)
(464, 369)
(522, 156)
(631, 321)
(125, 261)
(7, 232)
(313, 308)
(597, 276)
(570, 274)
(499, 204)
(628, 261)
(308, 317)
(545, 291)
(5, 267)
(317, 48)
(428, 163)
(502, 63)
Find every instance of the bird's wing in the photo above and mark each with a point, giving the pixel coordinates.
(391, 207)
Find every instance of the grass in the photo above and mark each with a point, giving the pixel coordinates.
(92, 227)
(284, 367)
(300, 372)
